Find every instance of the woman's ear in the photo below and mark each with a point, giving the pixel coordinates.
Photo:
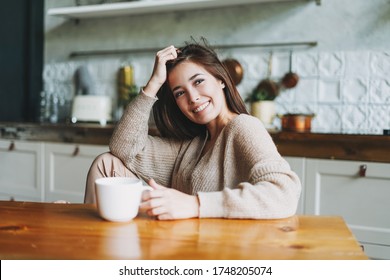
(222, 84)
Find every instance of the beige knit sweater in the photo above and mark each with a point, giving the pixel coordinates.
(242, 176)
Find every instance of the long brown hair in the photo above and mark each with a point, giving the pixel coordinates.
(169, 119)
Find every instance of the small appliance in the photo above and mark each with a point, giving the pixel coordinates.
(92, 108)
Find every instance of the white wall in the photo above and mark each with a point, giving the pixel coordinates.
(344, 79)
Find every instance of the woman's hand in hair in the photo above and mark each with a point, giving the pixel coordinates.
(159, 74)
(169, 204)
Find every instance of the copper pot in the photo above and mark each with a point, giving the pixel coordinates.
(297, 122)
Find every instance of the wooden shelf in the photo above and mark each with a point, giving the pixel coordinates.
(148, 7)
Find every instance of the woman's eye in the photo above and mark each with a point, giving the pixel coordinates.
(178, 94)
(197, 82)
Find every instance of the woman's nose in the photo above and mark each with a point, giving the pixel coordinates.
(194, 97)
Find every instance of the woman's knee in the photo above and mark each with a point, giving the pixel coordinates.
(104, 165)
(108, 165)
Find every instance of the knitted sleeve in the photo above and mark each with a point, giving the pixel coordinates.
(267, 188)
(145, 155)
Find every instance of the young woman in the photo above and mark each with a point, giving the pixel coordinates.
(212, 158)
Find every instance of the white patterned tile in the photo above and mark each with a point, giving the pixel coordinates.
(104, 70)
(142, 70)
(354, 117)
(257, 66)
(329, 91)
(379, 118)
(281, 108)
(306, 64)
(286, 96)
(380, 91)
(66, 71)
(357, 64)
(331, 64)
(355, 90)
(299, 108)
(281, 64)
(59, 72)
(306, 91)
(65, 90)
(245, 89)
(106, 88)
(380, 64)
(328, 119)
(48, 73)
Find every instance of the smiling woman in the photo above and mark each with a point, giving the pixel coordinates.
(205, 74)
(212, 159)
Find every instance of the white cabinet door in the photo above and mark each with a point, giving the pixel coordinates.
(335, 187)
(21, 170)
(297, 164)
(13, 197)
(66, 171)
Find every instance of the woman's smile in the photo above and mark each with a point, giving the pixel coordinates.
(201, 107)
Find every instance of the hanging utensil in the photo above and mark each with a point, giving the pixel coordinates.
(235, 69)
(290, 79)
(267, 87)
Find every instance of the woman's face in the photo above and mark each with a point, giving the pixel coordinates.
(198, 94)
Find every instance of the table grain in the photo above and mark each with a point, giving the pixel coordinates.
(30, 230)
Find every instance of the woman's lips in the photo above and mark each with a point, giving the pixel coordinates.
(201, 107)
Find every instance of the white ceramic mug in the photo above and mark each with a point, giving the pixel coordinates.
(118, 198)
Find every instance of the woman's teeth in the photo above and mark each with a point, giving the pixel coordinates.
(201, 107)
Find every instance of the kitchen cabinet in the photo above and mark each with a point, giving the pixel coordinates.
(146, 7)
(21, 170)
(44, 171)
(66, 168)
(356, 190)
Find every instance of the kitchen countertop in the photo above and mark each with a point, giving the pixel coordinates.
(312, 145)
(83, 133)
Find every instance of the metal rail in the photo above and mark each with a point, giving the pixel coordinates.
(285, 45)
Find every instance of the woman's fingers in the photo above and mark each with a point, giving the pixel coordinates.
(159, 74)
(156, 211)
(167, 53)
(155, 208)
(166, 203)
(152, 202)
(154, 185)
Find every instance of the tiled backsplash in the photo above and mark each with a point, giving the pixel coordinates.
(348, 91)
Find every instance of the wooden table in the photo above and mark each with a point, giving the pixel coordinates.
(75, 231)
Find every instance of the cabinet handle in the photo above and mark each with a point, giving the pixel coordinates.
(11, 146)
(76, 151)
(362, 170)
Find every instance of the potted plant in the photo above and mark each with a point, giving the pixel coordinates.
(262, 101)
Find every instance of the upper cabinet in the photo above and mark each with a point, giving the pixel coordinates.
(150, 6)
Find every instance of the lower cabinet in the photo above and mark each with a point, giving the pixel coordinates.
(45, 172)
(21, 170)
(357, 191)
(66, 170)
